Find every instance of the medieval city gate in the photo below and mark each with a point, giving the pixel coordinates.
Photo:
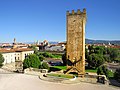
(76, 42)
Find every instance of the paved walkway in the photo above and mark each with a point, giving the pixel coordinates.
(29, 82)
(2, 71)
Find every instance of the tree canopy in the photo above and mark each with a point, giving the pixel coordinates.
(109, 54)
(44, 65)
(102, 70)
(95, 60)
(32, 61)
(1, 59)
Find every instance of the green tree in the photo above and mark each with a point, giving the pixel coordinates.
(95, 60)
(41, 57)
(64, 59)
(31, 61)
(44, 66)
(91, 49)
(1, 60)
(107, 58)
(99, 50)
(102, 70)
(86, 53)
(114, 53)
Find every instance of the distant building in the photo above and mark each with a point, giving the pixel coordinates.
(18, 54)
(18, 45)
(5, 45)
(42, 45)
(55, 48)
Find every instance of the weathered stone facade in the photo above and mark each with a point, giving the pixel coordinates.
(76, 42)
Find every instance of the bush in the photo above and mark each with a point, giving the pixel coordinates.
(95, 60)
(31, 61)
(44, 66)
(41, 57)
(102, 70)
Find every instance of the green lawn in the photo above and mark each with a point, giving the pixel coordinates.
(64, 68)
(60, 67)
(61, 75)
(51, 55)
(91, 70)
(57, 56)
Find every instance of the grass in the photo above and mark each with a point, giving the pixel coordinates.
(61, 75)
(64, 68)
(57, 68)
(57, 56)
(91, 70)
(51, 55)
(60, 67)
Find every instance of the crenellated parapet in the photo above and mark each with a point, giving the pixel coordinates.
(77, 13)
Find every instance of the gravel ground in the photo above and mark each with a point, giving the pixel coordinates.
(12, 81)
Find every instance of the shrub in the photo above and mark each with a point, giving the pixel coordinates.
(31, 61)
(41, 57)
(44, 66)
(102, 70)
(95, 60)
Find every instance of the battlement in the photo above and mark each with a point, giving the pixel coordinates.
(77, 13)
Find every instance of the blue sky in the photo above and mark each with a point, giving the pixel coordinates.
(31, 20)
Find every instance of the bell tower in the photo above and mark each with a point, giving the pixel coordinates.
(14, 43)
(75, 54)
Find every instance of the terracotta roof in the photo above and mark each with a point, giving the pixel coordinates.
(23, 49)
(2, 50)
(6, 50)
(115, 46)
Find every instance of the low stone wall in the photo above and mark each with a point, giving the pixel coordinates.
(9, 67)
(34, 71)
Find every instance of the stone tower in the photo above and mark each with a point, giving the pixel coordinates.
(76, 42)
(14, 43)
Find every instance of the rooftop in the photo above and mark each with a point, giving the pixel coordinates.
(2, 50)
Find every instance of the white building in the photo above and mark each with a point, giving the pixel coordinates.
(11, 55)
(55, 48)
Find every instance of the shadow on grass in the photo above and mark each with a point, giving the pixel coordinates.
(74, 73)
(54, 69)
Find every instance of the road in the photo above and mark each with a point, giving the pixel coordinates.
(113, 66)
(13, 81)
